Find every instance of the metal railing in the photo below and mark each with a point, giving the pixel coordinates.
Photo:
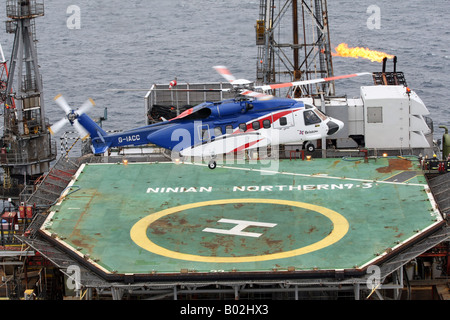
(184, 94)
(24, 9)
(12, 158)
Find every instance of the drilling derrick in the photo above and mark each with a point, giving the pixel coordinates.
(294, 44)
(27, 149)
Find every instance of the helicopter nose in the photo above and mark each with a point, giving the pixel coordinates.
(334, 126)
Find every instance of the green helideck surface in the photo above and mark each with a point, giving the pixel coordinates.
(321, 214)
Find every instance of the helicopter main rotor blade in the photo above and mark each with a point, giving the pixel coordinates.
(256, 95)
(179, 90)
(224, 72)
(306, 82)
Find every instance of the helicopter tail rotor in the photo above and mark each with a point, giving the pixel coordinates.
(71, 116)
(62, 103)
(58, 126)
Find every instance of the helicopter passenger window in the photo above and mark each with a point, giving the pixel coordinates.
(205, 134)
(229, 129)
(217, 131)
(256, 125)
(283, 121)
(242, 127)
(310, 117)
(266, 124)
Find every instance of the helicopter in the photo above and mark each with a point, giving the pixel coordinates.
(251, 120)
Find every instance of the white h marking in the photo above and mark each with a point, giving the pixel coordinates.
(240, 225)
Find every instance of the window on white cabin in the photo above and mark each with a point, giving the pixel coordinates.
(311, 118)
(217, 131)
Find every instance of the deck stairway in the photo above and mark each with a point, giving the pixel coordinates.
(440, 186)
(48, 191)
(50, 186)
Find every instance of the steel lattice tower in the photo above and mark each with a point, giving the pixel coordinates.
(27, 149)
(294, 44)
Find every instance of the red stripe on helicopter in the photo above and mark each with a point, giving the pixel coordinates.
(184, 114)
(273, 118)
(247, 145)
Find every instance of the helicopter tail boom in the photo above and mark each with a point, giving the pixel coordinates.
(99, 137)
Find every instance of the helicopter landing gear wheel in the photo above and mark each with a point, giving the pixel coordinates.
(212, 165)
(310, 147)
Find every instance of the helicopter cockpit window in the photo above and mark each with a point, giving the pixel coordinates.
(321, 114)
(256, 125)
(242, 127)
(311, 118)
(283, 121)
(266, 124)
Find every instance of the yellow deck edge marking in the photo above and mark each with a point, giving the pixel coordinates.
(138, 232)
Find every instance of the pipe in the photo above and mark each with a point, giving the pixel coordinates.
(384, 64)
(383, 73)
(445, 143)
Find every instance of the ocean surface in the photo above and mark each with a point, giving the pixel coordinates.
(133, 44)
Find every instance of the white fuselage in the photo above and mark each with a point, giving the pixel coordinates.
(286, 126)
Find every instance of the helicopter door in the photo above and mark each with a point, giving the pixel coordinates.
(283, 122)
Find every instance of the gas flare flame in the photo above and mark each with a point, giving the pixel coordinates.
(343, 50)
